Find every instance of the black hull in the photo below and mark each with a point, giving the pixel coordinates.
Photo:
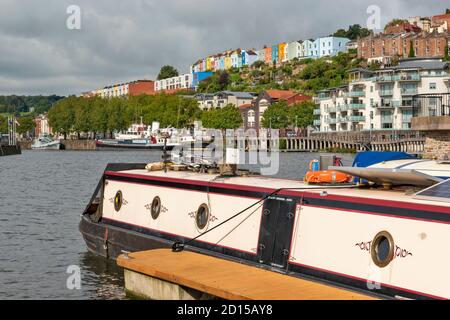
(109, 241)
(130, 147)
(10, 150)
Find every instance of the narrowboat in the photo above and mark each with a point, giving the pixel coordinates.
(387, 237)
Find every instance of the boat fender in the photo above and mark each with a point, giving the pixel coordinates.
(314, 165)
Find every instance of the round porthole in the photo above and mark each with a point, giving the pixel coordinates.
(118, 199)
(202, 216)
(383, 248)
(156, 208)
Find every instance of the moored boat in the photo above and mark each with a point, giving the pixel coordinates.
(386, 242)
(45, 142)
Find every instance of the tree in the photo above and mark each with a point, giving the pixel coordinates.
(26, 125)
(447, 11)
(395, 22)
(411, 50)
(228, 117)
(276, 116)
(354, 32)
(302, 114)
(167, 72)
(446, 53)
(258, 64)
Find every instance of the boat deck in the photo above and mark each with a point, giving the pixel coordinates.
(228, 280)
(268, 184)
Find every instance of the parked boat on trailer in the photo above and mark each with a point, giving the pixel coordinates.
(383, 238)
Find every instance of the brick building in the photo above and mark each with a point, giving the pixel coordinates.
(381, 46)
(252, 113)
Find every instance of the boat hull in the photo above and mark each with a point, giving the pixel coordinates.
(112, 144)
(326, 236)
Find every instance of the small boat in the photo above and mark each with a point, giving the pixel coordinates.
(45, 142)
(385, 242)
(141, 136)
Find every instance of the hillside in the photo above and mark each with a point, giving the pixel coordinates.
(307, 75)
(19, 104)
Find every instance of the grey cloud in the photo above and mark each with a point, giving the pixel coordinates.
(126, 40)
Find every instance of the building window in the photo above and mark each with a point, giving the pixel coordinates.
(433, 86)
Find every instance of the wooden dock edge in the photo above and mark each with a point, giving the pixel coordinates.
(165, 275)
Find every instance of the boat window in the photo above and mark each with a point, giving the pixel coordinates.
(382, 249)
(202, 216)
(156, 207)
(118, 201)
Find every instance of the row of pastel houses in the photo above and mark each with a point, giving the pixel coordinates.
(278, 54)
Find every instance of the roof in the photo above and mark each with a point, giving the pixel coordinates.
(420, 63)
(238, 94)
(244, 106)
(442, 16)
(280, 94)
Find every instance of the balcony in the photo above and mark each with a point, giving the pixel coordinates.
(342, 108)
(410, 77)
(352, 94)
(324, 96)
(409, 92)
(343, 119)
(388, 78)
(357, 118)
(317, 122)
(331, 110)
(317, 112)
(332, 120)
(384, 93)
(356, 106)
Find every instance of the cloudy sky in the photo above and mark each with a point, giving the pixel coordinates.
(126, 40)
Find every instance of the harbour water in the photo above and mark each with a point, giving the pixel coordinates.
(42, 195)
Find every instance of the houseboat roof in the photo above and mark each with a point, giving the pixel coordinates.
(264, 184)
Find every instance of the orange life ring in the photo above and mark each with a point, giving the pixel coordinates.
(329, 176)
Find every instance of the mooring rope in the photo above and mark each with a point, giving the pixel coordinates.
(178, 246)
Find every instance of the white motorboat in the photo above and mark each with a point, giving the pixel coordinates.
(45, 142)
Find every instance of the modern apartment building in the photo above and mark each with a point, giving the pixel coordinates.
(183, 81)
(207, 101)
(382, 99)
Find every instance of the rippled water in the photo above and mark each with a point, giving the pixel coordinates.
(42, 195)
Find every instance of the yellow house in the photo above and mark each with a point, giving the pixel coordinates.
(228, 63)
(281, 52)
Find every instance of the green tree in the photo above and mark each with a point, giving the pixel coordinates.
(62, 115)
(26, 125)
(411, 50)
(302, 114)
(276, 116)
(354, 32)
(394, 22)
(447, 11)
(167, 72)
(446, 53)
(228, 117)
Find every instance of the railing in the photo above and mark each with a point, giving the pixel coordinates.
(331, 109)
(356, 106)
(332, 120)
(357, 118)
(388, 78)
(317, 112)
(386, 92)
(431, 105)
(317, 122)
(410, 77)
(356, 94)
(409, 91)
